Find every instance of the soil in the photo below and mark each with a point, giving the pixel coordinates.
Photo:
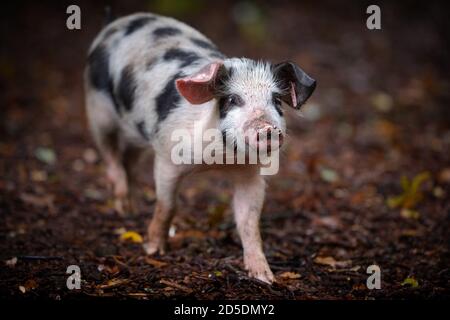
(380, 113)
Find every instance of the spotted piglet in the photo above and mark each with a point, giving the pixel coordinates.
(149, 75)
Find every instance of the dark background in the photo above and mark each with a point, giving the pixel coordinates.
(380, 113)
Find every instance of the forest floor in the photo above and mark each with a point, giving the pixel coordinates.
(364, 180)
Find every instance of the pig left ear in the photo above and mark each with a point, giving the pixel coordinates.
(198, 88)
(297, 85)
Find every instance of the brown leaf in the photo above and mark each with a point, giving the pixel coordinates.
(330, 261)
(30, 284)
(290, 275)
(113, 283)
(39, 201)
(155, 263)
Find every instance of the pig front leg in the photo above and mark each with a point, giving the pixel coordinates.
(247, 202)
(167, 178)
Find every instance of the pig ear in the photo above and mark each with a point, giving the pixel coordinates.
(297, 85)
(198, 88)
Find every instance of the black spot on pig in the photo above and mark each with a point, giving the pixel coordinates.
(224, 108)
(109, 33)
(217, 55)
(166, 32)
(204, 44)
(186, 57)
(276, 101)
(98, 62)
(168, 99)
(142, 129)
(98, 73)
(137, 23)
(230, 72)
(126, 88)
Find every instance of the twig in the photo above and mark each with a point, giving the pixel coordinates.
(40, 258)
(175, 285)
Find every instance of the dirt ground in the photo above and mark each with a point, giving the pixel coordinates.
(338, 205)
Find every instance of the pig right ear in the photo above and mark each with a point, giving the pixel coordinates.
(198, 88)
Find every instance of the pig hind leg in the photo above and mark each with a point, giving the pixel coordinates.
(106, 133)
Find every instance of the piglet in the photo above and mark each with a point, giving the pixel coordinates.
(148, 76)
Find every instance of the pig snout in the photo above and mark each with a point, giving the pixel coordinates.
(260, 136)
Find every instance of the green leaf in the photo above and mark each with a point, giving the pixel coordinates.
(45, 155)
(411, 194)
(329, 175)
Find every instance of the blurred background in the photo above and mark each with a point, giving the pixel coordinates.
(365, 178)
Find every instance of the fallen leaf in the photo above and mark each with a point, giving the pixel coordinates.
(113, 283)
(330, 261)
(359, 286)
(410, 233)
(410, 214)
(444, 175)
(411, 194)
(120, 231)
(155, 263)
(39, 176)
(329, 175)
(438, 192)
(45, 155)
(290, 275)
(218, 273)
(411, 282)
(11, 262)
(30, 284)
(382, 102)
(355, 268)
(131, 236)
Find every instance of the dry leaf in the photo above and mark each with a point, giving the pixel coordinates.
(131, 236)
(330, 261)
(113, 283)
(155, 263)
(31, 284)
(290, 275)
(410, 214)
(39, 176)
(11, 262)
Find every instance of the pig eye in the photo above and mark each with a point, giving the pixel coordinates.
(234, 100)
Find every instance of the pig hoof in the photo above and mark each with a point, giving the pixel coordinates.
(151, 248)
(261, 272)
